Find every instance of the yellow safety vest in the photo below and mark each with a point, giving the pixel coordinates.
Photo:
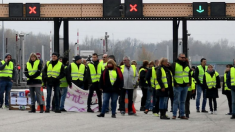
(193, 83)
(225, 85)
(153, 78)
(201, 73)
(211, 81)
(53, 71)
(232, 76)
(181, 75)
(77, 73)
(34, 69)
(133, 67)
(104, 65)
(164, 79)
(112, 76)
(8, 70)
(63, 81)
(95, 76)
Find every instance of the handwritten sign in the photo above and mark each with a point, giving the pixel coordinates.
(13, 101)
(22, 101)
(76, 100)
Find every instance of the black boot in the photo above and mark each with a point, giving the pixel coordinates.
(41, 109)
(100, 115)
(187, 115)
(113, 116)
(47, 111)
(163, 115)
(142, 108)
(32, 109)
(233, 117)
(57, 111)
(90, 110)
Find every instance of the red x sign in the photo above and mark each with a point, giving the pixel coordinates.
(32, 10)
(133, 7)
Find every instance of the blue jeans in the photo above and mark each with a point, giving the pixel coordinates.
(63, 92)
(5, 86)
(199, 91)
(106, 97)
(180, 95)
(163, 103)
(148, 103)
(233, 102)
(56, 96)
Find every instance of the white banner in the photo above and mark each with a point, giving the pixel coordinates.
(76, 100)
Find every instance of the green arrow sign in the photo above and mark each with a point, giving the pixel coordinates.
(200, 10)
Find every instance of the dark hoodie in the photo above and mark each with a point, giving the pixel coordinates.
(2, 66)
(142, 81)
(52, 81)
(88, 74)
(184, 64)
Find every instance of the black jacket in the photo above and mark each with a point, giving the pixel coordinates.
(105, 83)
(76, 82)
(32, 79)
(196, 75)
(52, 81)
(212, 93)
(142, 81)
(159, 92)
(184, 64)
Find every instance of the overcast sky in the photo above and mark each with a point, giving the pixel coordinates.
(146, 31)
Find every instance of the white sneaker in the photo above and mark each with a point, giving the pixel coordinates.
(215, 112)
(211, 112)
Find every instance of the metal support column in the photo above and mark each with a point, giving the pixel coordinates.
(66, 38)
(57, 22)
(175, 39)
(185, 38)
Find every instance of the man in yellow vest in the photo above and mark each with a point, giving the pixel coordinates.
(52, 73)
(94, 71)
(199, 74)
(7, 75)
(182, 81)
(130, 77)
(76, 72)
(105, 60)
(63, 85)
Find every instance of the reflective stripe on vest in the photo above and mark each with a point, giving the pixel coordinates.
(53, 71)
(225, 85)
(132, 66)
(153, 78)
(164, 79)
(34, 69)
(95, 76)
(77, 73)
(8, 70)
(112, 76)
(201, 72)
(181, 75)
(63, 81)
(232, 76)
(211, 81)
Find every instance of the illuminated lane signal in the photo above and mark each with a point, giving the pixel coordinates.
(133, 8)
(32, 9)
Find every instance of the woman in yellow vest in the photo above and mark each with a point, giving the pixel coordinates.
(164, 82)
(211, 81)
(111, 81)
(34, 80)
(225, 90)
